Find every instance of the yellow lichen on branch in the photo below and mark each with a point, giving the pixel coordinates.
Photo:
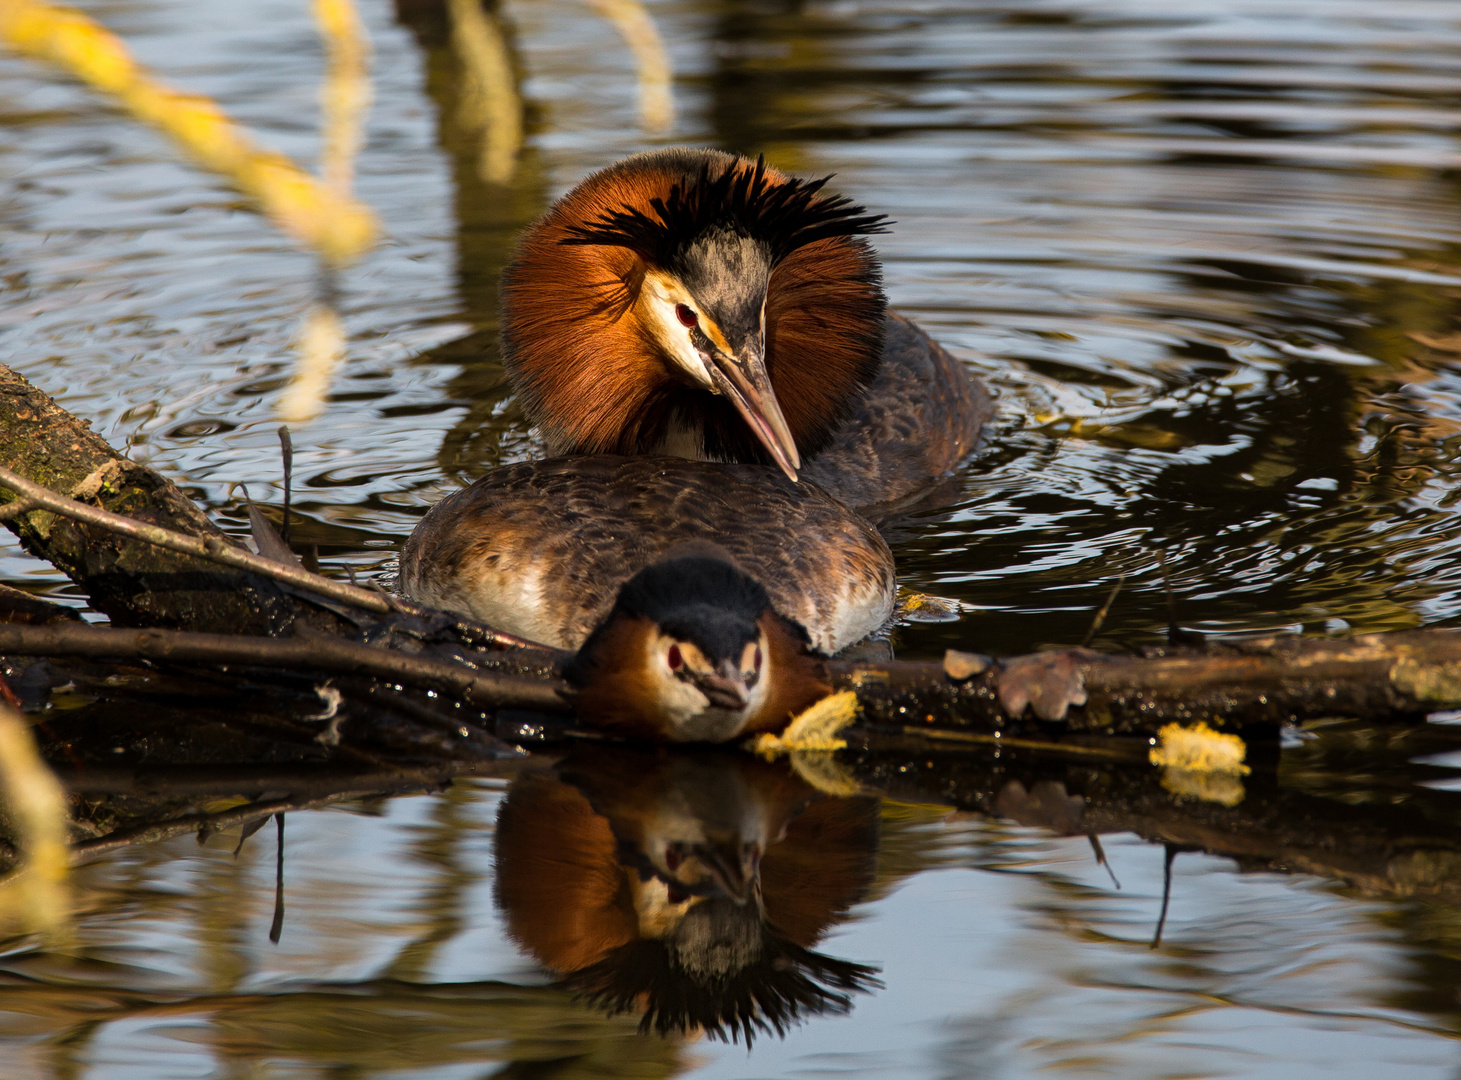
(1200, 763)
(1200, 748)
(336, 226)
(813, 730)
(35, 898)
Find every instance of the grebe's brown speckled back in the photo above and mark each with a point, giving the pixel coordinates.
(693, 303)
(541, 549)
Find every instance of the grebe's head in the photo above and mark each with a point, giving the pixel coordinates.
(715, 308)
(693, 652)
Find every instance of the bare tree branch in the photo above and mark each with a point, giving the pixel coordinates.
(484, 689)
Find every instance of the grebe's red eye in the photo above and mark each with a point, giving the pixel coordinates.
(756, 659)
(674, 659)
(686, 316)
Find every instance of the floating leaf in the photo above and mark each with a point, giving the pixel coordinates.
(813, 730)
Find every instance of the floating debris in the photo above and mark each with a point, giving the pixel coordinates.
(1200, 763)
(920, 607)
(814, 730)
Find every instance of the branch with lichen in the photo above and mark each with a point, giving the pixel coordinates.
(1259, 682)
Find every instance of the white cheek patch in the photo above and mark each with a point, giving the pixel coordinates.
(673, 336)
(675, 699)
(690, 715)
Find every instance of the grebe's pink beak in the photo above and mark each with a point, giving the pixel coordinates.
(744, 381)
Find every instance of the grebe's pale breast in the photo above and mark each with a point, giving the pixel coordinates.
(541, 549)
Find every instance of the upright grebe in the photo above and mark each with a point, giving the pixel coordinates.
(702, 305)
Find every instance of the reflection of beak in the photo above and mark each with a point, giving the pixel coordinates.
(743, 379)
(732, 870)
(725, 687)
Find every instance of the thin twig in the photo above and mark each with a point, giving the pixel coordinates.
(213, 549)
(276, 928)
(15, 509)
(1101, 859)
(1105, 609)
(1119, 751)
(1171, 856)
(218, 551)
(286, 452)
(322, 654)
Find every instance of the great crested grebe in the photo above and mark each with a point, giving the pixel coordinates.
(542, 549)
(693, 651)
(703, 305)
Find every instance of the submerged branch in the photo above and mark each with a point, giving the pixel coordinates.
(1260, 682)
(484, 689)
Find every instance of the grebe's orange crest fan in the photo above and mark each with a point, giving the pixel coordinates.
(696, 304)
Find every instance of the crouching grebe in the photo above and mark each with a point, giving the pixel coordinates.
(702, 305)
(693, 651)
(542, 549)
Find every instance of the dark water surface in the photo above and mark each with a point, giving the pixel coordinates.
(1209, 257)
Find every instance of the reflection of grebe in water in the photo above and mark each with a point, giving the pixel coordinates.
(689, 886)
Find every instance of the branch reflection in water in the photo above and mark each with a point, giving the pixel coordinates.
(687, 886)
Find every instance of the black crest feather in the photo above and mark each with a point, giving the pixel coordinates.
(783, 216)
(784, 985)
